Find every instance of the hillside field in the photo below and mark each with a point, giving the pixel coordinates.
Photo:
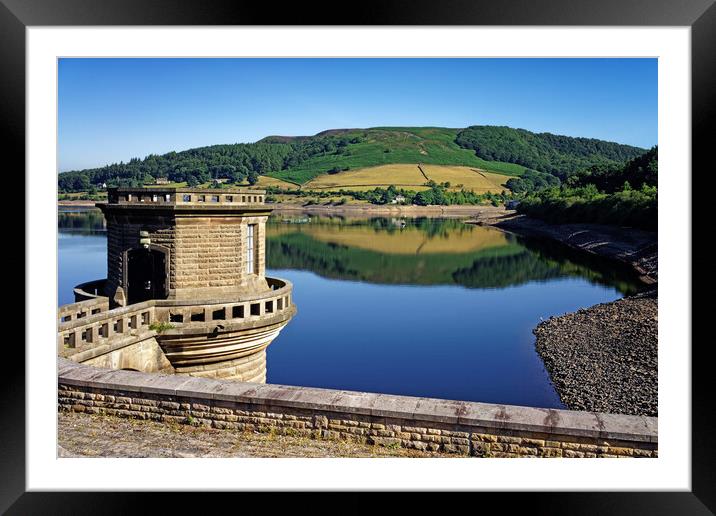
(382, 146)
(477, 157)
(409, 177)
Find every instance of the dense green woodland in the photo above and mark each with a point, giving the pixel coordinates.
(556, 178)
(619, 195)
(299, 159)
(558, 155)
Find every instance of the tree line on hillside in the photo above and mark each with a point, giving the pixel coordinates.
(236, 162)
(544, 154)
(619, 195)
(436, 194)
(532, 181)
(561, 156)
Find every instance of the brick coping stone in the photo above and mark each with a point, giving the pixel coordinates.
(466, 413)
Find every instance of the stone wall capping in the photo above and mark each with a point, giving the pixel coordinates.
(617, 426)
(237, 392)
(65, 366)
(354, 402)
(652, 427)
(583, 424)
(161, 384)
(282, 395)
(385, 405)
(132, 381)
(439, 411)
(82, 376)
(484, 414)
(312, 399)
(463, 416)
(195, 387)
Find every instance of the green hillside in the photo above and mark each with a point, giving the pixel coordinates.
(558, 155)
(387, 145)
(299, 159)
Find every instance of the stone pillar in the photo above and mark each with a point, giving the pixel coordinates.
(119, 298)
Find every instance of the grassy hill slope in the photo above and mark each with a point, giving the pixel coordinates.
(298, 160)
(410, 177)
(389, 145)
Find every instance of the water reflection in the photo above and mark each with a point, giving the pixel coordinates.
(86, 221)
(424, 251)
(418, 307)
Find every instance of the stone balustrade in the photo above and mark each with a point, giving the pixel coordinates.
(89, 324)
(98, 328)
(159, 196)
(248, 308)
(81, 309)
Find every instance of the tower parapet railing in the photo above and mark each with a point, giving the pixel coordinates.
(162, 196)
(90, 323)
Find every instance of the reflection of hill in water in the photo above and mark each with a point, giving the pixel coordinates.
(81, 221)
(427, 252)
(408, 240)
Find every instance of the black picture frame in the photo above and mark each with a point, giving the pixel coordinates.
(700, 15)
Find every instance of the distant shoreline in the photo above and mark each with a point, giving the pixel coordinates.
(633, 247)
(453, 211)
(79, 204)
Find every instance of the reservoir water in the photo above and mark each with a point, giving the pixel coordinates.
(411, 306)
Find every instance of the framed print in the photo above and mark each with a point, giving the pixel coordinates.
(428, 240)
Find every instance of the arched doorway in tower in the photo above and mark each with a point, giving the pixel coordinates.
(146, 274)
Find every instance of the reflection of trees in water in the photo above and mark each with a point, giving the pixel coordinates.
(543, 260)
(431, 226)
(287, 255)
(504, 271)
(511, 264)
(85, 221)
(578, 263)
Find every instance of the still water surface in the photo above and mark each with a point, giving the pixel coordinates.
(419, 307)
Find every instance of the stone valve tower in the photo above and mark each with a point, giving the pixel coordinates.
(186, 290)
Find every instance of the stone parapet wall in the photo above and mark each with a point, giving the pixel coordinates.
(463, 428)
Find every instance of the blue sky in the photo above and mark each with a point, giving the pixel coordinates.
(112, 110)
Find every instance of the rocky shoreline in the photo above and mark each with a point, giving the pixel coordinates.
(602, 358)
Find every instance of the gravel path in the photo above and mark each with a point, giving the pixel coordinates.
(604, 358)
(84, 435)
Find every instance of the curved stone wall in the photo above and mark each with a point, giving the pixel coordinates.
(145, 356)
(233, 353)
(251, 368)
(228, 340)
